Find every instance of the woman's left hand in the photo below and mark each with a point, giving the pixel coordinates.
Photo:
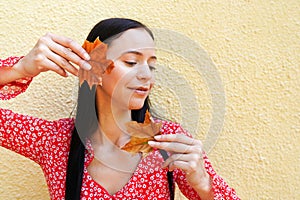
(186, 154)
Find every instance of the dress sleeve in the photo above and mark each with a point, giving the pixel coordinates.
(14, 88)
(220, 187)
(33, 137)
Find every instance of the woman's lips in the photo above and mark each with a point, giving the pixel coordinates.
(140, 90)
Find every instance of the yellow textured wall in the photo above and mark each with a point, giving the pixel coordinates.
(254, 46)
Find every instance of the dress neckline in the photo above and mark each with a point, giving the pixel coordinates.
(89, 157)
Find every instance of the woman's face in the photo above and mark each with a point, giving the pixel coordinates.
(131, 80)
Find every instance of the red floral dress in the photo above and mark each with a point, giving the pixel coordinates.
(47, 143)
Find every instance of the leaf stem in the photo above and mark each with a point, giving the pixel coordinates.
(164, 154)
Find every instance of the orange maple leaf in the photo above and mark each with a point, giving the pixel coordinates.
(141, 133)
(100, 64)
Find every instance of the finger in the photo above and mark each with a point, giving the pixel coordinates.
(178, 138)
(69, 55)
(62, 63)
(50, 65)
(71, 44)
(182, 157)
(67, 49)
(188, 167)
(175, 147)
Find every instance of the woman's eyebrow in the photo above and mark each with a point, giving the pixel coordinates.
(139, 54)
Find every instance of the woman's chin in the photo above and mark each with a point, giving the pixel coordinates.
(136, 105)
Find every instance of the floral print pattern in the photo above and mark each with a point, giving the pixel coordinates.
(48, 144)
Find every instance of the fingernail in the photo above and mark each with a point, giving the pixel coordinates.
(157, 137)
(87, 56)
(151, 143)
(87, 66)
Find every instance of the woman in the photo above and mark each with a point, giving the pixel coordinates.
(85, 161)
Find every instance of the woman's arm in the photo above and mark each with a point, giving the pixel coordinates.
(9, 74)
(33, 137)
(51, 52)
(14, 88)
(29, 136)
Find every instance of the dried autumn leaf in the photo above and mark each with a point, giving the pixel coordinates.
(147, 129)
(141, 133)
(89, 46)
(100, 64)
(138, 145)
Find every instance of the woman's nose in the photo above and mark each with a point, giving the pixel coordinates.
(144, 72)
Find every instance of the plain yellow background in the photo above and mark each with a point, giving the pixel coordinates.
(254, 46)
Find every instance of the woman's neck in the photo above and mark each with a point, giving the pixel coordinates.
(112, 120)
(113, 126)
(112, 135)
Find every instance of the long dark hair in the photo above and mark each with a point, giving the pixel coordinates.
(86, 121)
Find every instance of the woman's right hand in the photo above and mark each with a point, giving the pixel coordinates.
(55, 53)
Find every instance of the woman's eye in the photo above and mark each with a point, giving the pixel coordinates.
(130, 63)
